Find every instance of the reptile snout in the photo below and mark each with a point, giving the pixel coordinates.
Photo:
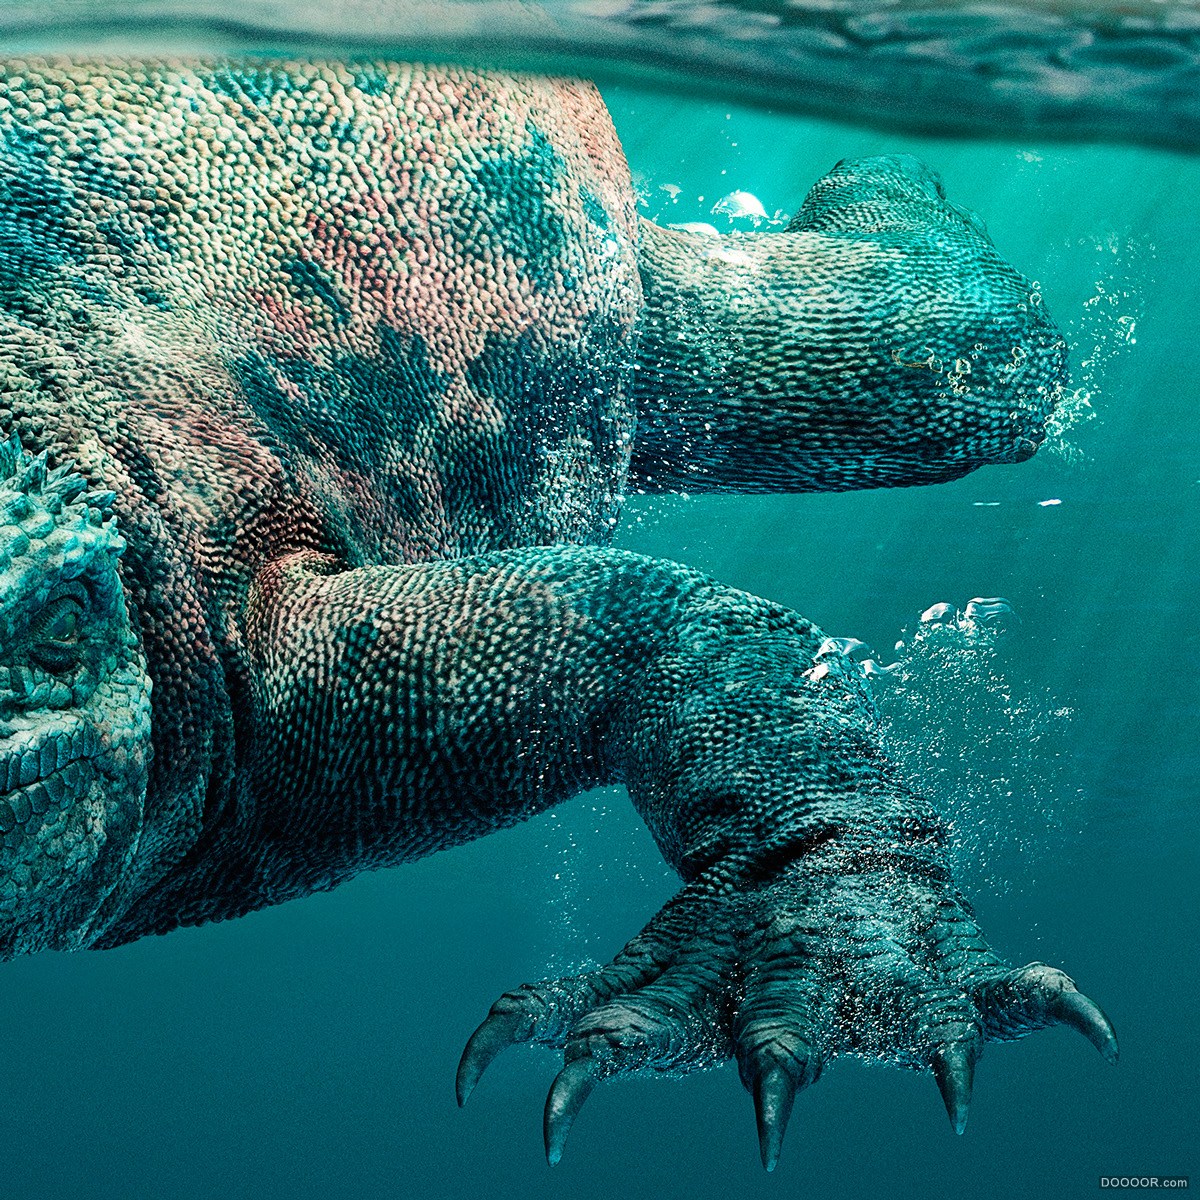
(40, 774)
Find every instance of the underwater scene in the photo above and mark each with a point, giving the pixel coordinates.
(454, 491)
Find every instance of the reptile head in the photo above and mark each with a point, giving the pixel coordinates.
(74, 707)
(973, 363)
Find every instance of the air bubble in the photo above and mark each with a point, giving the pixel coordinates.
(994, 611)
(696, 227)
(740, 206)
(847, 657)
(939, 614)
(850, 648)
(980, 741)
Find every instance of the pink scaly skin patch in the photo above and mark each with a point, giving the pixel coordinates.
(388, 204)
(454, 296)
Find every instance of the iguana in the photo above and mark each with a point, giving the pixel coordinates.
(321, 385)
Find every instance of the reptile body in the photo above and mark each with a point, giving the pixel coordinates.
(323, 384)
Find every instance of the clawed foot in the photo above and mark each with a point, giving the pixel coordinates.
(827, 958)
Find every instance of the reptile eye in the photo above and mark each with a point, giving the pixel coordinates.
(64, 626)
(55, 643)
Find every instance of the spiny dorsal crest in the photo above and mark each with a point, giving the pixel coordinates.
(28, 486)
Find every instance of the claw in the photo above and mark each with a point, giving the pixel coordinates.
(1085, 1015)
(571, 1087)
(774, 1094)
(497, 1033)
(954, 1070)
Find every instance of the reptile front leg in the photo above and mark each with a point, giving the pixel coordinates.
(402, 709)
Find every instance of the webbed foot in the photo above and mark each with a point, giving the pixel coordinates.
(836, 954)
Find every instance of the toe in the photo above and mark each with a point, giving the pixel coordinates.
(1037, 996)
(783, 1026)
(672, 1024)
(571, 1087)
(954, 1069)
(546, 1012)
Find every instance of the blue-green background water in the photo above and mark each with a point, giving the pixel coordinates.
(309, 1051)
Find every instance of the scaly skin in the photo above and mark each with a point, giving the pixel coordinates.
(351, 354)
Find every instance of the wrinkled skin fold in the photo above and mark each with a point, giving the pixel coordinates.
(322, 384)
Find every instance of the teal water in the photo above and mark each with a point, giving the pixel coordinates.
(309, 1051)
(1121, 69)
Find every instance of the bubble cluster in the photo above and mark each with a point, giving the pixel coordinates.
(987, 745)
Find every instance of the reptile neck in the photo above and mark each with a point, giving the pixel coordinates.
(710, 391)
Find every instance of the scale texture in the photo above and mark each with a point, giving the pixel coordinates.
(321, 385)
